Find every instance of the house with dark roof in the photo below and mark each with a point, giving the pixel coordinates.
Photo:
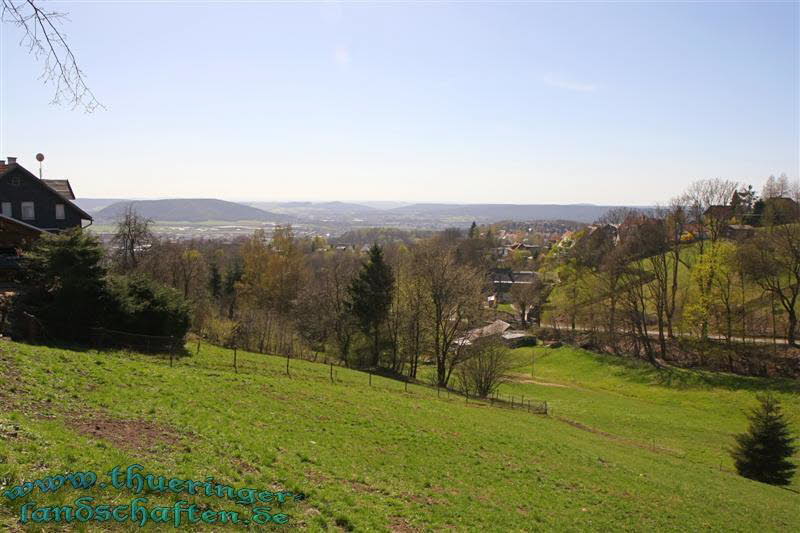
(44, 204)
(504, 279)
(30, 206)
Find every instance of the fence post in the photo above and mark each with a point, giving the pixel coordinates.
(198, 347)
(370, 377)
(235, 367)
(331, 372)
(287, 365)
(406, 382)
(438, 391)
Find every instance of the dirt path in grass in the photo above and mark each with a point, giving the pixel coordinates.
(523, 378)
(622, 440)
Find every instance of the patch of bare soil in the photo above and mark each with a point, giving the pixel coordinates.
(243, 466)
(401, 525)
(12, 381)
(133, 434)
(363, 487)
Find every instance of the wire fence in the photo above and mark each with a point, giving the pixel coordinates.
(179, 353)
(367, 377)
(103, 337)
(34, 330)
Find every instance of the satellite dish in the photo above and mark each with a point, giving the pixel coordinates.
(40, 157)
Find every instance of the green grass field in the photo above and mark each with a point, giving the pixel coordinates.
(626, 447)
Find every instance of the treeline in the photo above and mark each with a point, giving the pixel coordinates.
(382, 236)
(281, 294)
(717, 261)
(716, 266)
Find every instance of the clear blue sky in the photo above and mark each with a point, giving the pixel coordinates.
(460, 102)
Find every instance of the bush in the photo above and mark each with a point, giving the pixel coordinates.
(142, 306)
(64, 286)
(485, 369)
(763, 452)
(220, 331)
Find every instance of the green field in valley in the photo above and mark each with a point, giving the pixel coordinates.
(626, 447)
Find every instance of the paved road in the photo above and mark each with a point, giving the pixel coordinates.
(654, 334)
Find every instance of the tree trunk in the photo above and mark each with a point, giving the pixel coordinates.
(791, 330)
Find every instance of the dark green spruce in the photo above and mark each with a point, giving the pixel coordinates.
(370, 298)
(763, 453)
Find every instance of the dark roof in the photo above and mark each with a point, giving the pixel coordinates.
(4, 168)
(62, 187)
(719, 212)
(506, 276)
(20, 224)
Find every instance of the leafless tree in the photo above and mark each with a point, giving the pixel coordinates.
(133, 237)
(487, 366)
(322, 304)
(43, 38)
(618, 215)
(772, 260)
(453, 294)
(704, 197)
(675, 224)
(776, 187)
(529, 299)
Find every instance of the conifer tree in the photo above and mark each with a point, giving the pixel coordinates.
(763, 453)
(473, 230)
(371, 296)
(215, 281)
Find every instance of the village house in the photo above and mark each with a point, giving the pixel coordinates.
(503, 279)
(30, 206)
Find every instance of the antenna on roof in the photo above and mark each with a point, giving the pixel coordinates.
(40, 158)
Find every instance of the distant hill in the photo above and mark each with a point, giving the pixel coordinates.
(91, 205)
(191, 210)
(496, 212)
(384, 204)
(318, 210)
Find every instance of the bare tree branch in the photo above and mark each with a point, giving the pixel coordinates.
(42, 38)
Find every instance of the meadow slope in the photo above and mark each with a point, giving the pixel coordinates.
(626, 448)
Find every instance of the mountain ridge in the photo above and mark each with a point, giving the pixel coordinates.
(191, 210)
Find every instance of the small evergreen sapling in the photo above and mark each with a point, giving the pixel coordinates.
(763, 453)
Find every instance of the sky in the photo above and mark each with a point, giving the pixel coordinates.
(474, 102)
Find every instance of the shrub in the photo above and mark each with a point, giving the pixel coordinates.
(763, 452)
(220, 331)
(64, 284)
(143, 306)
(485, 369)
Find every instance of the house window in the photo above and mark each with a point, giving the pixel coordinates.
(15, 181)
(7, 209)
(28, 212)
(60, 212)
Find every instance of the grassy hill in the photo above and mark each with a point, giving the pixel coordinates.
(625, 448)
